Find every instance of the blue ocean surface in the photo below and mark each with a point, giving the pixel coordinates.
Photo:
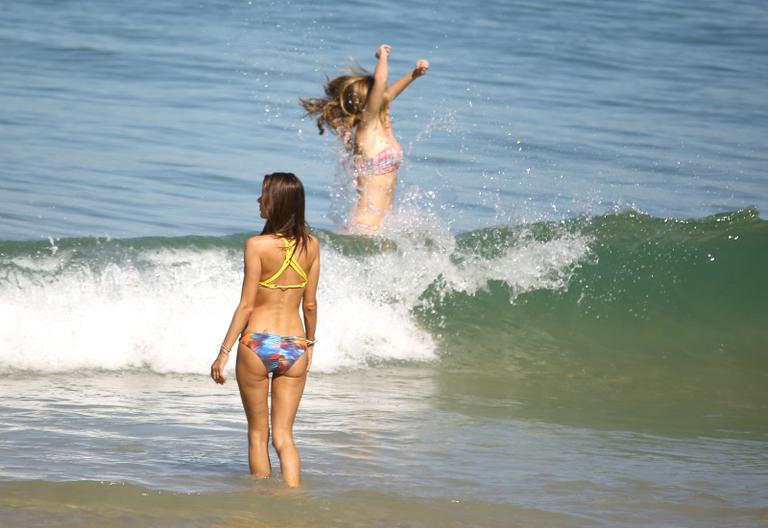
(160, 118)
(562, 322)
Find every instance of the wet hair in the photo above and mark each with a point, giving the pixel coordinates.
(283, 200)
(345, 98)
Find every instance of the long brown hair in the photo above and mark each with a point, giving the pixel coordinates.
(282, 196)
(345, 99)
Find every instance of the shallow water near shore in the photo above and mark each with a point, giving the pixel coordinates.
(380, 446)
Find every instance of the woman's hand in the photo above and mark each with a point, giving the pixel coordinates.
(383, 51)
(217, 369)
(422, 65)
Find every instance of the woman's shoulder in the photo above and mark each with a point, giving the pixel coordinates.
(259, 242)
(313, 244)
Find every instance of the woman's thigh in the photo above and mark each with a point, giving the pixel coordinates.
(253, 382)
(287, 390)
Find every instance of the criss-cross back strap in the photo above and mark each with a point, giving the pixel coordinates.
(290, 261)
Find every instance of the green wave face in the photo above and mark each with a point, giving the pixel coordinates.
(651, 286)
(663, 317)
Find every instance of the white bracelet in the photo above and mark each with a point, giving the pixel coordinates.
(224, 349)
(310, 342)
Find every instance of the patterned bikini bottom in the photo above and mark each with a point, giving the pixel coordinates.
(278, 353)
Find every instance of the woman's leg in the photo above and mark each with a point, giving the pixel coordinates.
(253, 381)
(286, 395)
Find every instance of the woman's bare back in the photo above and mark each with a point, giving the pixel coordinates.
(276, 309)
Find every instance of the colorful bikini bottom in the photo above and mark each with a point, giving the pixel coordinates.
(278, 353)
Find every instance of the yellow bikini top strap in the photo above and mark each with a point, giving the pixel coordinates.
(295, 263)
(290, 260)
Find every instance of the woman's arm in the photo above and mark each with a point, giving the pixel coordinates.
(309, 301)
(252, 265)
(401, 84)
(376, 96)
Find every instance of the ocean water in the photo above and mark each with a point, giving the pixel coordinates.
(562, 323)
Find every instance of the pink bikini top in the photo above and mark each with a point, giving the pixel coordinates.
(385, 161)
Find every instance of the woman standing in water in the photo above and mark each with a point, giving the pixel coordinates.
(282, 266)
(356, 108)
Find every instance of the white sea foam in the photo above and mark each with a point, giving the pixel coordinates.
(168, 312)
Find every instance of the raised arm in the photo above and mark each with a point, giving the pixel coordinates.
(401, 84)
(376, 96)
(252, 272)
(309, 301)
